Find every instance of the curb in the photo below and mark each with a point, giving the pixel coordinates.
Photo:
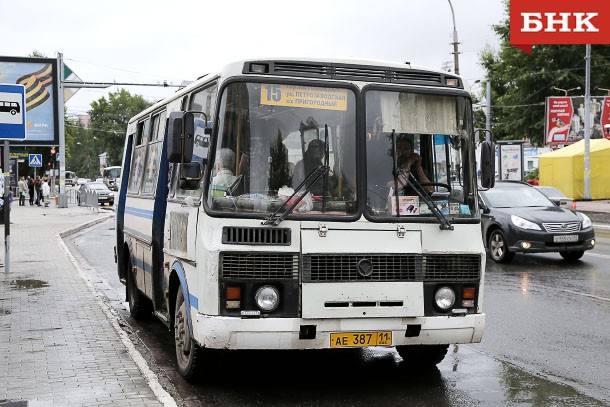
(602, 227)
(83, 226)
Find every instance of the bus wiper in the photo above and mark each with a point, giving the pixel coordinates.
(285, 209)
(423, 194)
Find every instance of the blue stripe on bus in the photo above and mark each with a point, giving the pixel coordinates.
(141, 213)
(194, 301)
(177, 267)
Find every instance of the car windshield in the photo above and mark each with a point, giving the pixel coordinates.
(112, 173)
(515, 197)
(271, 137)
(98, 186)
(551, 192)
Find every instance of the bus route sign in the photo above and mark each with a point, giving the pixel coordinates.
(12, 112)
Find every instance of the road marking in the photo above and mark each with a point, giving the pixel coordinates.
(586, 295)
(603, 256)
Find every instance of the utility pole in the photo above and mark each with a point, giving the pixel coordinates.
(587, 193)
(456, 61)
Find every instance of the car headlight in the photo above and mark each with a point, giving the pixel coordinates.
(267, 298)
(523, 223)
(586, 221)
(444, 298)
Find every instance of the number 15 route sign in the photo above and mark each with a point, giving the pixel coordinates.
(12, 112)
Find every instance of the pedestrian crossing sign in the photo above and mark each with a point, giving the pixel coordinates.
(35, 160)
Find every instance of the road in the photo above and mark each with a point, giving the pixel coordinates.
(546, 343)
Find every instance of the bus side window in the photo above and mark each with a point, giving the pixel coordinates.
(138, 161)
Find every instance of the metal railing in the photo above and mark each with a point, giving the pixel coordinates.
(88, 199)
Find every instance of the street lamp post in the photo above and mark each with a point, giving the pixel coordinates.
(456, 61)
(565, 91)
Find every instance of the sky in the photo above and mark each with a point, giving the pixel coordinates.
(154, 41)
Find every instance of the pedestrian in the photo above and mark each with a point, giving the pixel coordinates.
(31, 189)
(46, 192)
(37, 190)
(23, 190)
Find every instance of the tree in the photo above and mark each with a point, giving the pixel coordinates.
(108, 123)
(520, 82)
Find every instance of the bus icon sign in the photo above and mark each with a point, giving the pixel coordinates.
(12, 112)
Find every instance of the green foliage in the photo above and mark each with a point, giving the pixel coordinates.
(533, 174)
(111, 116)
(520, 82)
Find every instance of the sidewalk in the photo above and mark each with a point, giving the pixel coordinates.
(58, 345)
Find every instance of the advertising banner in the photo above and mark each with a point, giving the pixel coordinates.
(38, 76)
(511, 161)
(558, 22)
(565, 119)
(558, 118)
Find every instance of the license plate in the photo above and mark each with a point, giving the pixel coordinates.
(360, 339)
(565, 238)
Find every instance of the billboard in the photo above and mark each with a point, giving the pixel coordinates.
(39, 77)
(565, 119)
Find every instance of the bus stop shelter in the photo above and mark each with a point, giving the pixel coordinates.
(564, 169)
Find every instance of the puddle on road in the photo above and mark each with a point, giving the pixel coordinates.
(28, 284)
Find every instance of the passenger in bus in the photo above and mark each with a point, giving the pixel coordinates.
(312, 159)
(409, 162)
(223, 168)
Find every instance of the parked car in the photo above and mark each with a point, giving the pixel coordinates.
(516, 217)
(104, 195)
(557, 197)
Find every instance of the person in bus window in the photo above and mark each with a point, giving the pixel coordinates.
(312, 159)
(225, 162)
(409, 162)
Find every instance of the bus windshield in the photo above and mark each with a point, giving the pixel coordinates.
(419, 145)
(272, 137)
(112, 172)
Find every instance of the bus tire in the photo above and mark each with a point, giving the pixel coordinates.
(140, 307)
(423, 355)
(188, 353)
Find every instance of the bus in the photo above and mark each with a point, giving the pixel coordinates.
(110, 175)
(306, 204)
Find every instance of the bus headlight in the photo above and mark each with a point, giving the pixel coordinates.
(444, 298)
(267, 298)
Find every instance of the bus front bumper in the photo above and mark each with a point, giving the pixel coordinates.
(284, 333)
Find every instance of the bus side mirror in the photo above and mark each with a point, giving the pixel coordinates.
(190, 176)
(181, 140)
(488, 164)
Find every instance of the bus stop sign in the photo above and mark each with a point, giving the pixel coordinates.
(12, 112)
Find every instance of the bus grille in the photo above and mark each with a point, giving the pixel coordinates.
(255, 236)
(246, 265)
(392, 267)
(354, 72)
(340, 267)
(451, 267)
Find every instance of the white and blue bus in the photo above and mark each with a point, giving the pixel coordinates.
(306, 204)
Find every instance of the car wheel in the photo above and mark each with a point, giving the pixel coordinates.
(498, 248)
(572, 256)
(422, 355)
(188, 354)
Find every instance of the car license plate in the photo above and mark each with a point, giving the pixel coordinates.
(360, 339)
(565, 238)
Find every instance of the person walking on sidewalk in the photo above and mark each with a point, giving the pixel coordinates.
(38, 190)
(31, 189)
(46, 192)
(23, 189)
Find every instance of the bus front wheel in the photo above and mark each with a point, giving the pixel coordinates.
(423, 355)
(188, 353)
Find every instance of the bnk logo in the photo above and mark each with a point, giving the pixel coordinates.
(562, 22)
(559, 22)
